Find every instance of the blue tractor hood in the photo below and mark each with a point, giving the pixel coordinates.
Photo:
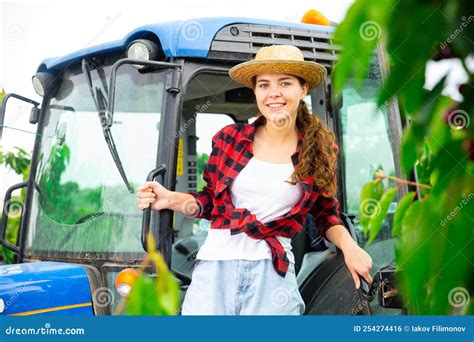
(191, 38)
(46, 288)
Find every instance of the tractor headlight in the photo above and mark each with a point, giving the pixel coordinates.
(42, 82)
(142, 49)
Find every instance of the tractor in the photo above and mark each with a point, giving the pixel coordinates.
(145, 108)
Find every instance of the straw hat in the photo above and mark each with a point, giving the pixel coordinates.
(280, 59)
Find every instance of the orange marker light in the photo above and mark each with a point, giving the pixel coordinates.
(316, 18)
(125, 280)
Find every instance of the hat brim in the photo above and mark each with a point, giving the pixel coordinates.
(312, 72)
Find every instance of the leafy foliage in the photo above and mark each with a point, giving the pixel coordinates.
(201, 164)
(154, 295)
(65, 202)
(19, 162)
(434, 252)
(376, 220)
(400, 213)
(370, 195)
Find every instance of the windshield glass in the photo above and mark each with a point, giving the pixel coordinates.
(81, 205)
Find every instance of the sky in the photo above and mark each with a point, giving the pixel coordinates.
(34, 30)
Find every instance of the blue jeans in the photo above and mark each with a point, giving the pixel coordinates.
(242, 287)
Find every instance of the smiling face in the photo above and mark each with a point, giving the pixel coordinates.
(279, 94)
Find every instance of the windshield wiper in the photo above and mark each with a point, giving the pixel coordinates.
(101, 106)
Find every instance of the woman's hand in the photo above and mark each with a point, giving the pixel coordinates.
(155, 194)
(358, 262)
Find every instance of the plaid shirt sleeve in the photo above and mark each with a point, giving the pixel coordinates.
(325, 213)
(205, 197)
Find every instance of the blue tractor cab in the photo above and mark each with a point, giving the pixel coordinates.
(146, 107)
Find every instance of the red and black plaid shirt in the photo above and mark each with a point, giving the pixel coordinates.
(231, 151)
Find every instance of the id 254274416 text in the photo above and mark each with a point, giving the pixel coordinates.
(408, 329)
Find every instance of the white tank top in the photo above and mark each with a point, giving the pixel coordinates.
(261, 188)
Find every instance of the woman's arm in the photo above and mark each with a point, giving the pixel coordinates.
(325, 212)
(196, 204)
(357, 260)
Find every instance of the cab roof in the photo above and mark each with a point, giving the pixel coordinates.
(190, 38)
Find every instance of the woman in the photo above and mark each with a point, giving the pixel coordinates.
(263, 179)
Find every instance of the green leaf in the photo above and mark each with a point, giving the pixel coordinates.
(359, 33)
(434, 249)
(449, 163)
(376, 220)
(430, 106)
(409, 150)
(411, 257)
(424, 167)
(439, 132)
(369, 196)
(402, 207)
(143, 298)
(437, 238)
(154, 296)
(410, 54)
(169, 290)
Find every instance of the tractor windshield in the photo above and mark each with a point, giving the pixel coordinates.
(82, 207)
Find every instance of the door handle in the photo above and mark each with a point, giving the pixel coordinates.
(160, 170)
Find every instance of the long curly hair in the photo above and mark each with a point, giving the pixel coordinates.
(318, 156)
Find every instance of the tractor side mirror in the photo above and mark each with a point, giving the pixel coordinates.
(32, 107)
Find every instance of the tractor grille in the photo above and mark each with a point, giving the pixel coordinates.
(240, 42)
